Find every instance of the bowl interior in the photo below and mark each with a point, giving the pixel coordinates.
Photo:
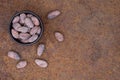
(26, 12)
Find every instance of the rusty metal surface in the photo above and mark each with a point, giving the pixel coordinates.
(90, 51)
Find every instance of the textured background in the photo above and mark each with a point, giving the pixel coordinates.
(90, 51)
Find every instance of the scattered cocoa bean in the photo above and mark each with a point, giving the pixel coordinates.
(59, 36)
(40, 49)
(53, 14)
(41, 63)
(21, 64)
(13, 55)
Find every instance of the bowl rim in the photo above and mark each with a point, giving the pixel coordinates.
(26, 12)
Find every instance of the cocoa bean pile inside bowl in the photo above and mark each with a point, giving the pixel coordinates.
(26, 27)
